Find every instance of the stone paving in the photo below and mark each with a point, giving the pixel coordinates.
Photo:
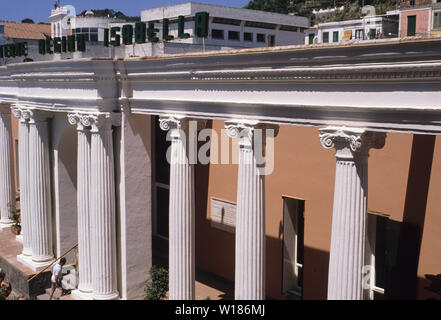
(10, 248)
(207, 287)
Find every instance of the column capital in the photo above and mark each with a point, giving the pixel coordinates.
(167, 123)
(245, 129)
(81, 120)
(172, 122)
(97, 121)
(350, 142)
(23, 114)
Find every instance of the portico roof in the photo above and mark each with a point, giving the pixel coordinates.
(382, 85)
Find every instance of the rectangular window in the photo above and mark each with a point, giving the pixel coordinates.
(411, 26)
(335, 36)
(261, 37)
(217, 34)
(293, 247)
(381, 251)
(372, 34)
(161, 181)
(437, 20)
(412, 2)
(248, 36)
(94, 37)
(359, 34)
(271, 40)
(234, 35)
(311, 38)
(325, 37)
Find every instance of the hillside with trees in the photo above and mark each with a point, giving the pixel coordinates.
(350, 10)
(112, 14)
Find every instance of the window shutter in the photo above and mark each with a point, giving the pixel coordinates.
(411, 25)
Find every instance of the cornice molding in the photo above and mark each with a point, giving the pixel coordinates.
(374, 72)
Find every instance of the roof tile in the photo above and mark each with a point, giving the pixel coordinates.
(16, 30)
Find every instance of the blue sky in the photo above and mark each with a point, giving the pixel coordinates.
(39, 10)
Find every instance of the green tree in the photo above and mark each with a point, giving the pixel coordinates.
(279, 6)
(27, 20)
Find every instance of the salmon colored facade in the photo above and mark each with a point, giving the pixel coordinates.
(422, 21)
(398, 180)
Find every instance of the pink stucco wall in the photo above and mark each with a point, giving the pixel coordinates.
(422, 21)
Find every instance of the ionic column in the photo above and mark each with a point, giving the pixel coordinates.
(40, 201)
(181, 211)
(350, 208)
(85, 283)
(250, 213)
(103, 218)
(23, 169)
(7, 183)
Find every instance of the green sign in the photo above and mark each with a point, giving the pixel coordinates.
(147, 32)
(142, 32)
(14, 50)
(63, 44)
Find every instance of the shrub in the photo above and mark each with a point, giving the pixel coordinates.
(5, 290)
(157, 287)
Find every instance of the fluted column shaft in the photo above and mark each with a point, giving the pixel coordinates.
(85, 283)
(7, 183)
(250, 215)
(23, 169)
(40, 204)
(181, 212)
(349, 215)
(103, 218)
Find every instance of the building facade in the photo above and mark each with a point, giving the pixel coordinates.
(366, 28)
(307, 229)
(228, 28)
(421, 18)
(347, 207)
(14, 35)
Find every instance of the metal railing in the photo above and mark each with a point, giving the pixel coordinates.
(36, 275)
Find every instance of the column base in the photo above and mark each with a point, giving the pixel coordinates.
(80, 295)
(19, 238)
(110, 296)
(5, 225)
(26, 260)
(34, 266)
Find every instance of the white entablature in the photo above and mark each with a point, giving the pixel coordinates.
(378, 85)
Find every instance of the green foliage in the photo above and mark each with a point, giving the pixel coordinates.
(113, 14)
(352, 8)
(14, 215)
(27, 20)
(280, 6)
(157, 287)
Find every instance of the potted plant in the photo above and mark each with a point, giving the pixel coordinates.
(14, 215)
